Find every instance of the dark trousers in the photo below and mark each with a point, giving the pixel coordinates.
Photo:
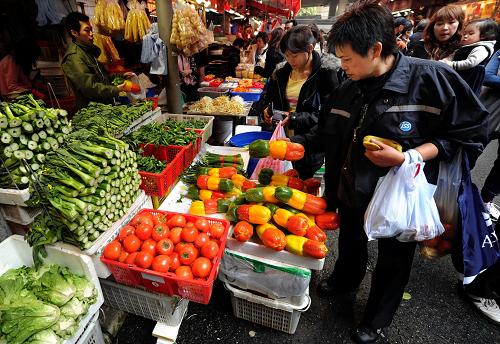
(389, 278)
(491, 186)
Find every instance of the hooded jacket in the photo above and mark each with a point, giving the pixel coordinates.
(314, 92)
(470, 60)
(421, 101)
(87, 76)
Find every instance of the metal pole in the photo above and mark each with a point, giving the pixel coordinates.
(165, 12)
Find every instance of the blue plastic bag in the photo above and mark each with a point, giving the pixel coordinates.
(481, 248)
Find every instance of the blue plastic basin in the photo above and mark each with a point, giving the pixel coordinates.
(244, 139)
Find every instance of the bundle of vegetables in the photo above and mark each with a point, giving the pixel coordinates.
(282, 150)
(185, 124)
(98, 117)
(28, 131)
(42, 305)
(289, 178)
(216, 165)
(137, 23)
(160, 134)
(86, 186)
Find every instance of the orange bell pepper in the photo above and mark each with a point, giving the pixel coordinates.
(271, 236)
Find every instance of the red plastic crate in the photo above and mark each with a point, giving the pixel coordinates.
(159, 184)
(198, 290)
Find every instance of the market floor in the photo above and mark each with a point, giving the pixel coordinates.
(435, 313)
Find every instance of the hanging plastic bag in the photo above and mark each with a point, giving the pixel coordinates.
(448, 183)
(278, 166)
(402, 205)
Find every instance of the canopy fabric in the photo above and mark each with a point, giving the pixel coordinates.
(286, 8)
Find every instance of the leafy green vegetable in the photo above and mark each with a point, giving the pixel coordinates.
(162, 134)
(65, 327)
(150, 164)
(44, 337)
(85, 290)
(73, 309)
(52, 286)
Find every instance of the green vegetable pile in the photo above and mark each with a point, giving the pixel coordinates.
(150, 164)
(185, 124)
(84, 186)
(28, 131)
(114, 119)
(42, 305)
(162, 134)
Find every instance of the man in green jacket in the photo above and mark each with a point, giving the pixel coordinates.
(87, 76)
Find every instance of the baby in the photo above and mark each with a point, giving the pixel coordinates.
(478, 42)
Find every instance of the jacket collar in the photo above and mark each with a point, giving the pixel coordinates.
(90, 49)
(286, 69)
(399, 80)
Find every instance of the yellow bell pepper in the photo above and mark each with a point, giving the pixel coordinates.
(255, 214)
(279, 180)
(205, 194)
(277, 149)
(295, 244)
(298, 199)
(238, 180)
(268, 192)
(197, 208)
(281, 217)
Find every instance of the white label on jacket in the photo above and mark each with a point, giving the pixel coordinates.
(341, 113)
(414, 108)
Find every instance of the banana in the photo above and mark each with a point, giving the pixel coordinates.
(373, 146)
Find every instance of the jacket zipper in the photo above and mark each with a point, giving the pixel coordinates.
(364, 110)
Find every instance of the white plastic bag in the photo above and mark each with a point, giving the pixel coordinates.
(403, 205)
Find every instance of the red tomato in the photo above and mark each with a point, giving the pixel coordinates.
(189, 234)
(113, 250)
(184, 272)
(177, 221)
(160, 231)
(201, 267)
(143, 231)
(189, 224)
(144, 259)
(159, 218)
(146, 218)
(161, 263)
(179, 246)
(202, 224)
(174, 261)
(217, 230)
(210, 249)
(125, 232)
(201, 240)
(131, 258)
(243, 230)
(188, 254)
(131, 243)
(123, 256)
(165, 246)
(149, 246)
(175, 235)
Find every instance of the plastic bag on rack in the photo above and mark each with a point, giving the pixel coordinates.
(403, 205)
(278, 166)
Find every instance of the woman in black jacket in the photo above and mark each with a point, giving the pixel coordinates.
(299, 87)
(273, 55)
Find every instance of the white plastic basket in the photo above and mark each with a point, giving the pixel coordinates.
(261, 310)
(15, 252)
(157, 307)
(92, 333)
(143, 120)
(20, 215)
(106, 237)
(14, 196)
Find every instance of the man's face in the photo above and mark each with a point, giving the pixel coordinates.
(85, 35)
(288, 26)
(356, 67)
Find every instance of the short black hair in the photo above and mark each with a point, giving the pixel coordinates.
(72, 21)
(297, 40)
(487, 28)
(239, 42)
(263, 36)
(293, 21)
(400, 21)
(362, 25)
(422, 25)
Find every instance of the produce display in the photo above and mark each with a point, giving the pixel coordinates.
(276, 149)
(114, 119)
(28, 130)
(86, 186)
(137, 23)
(43, 305)
(150, 164)
(173, 245)
(189, 33)
(162, 134)
(222, 105)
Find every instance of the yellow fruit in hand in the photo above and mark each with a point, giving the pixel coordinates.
(373, 146)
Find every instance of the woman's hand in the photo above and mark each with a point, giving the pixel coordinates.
(266, 116)
(129, 74)
(386, 156)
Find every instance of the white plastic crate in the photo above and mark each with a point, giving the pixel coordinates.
(92, 333)
(15, 252)
(106, 237)
(20, 215)
(143, 120)
(261, 310)
(157, 307)
(14, 196)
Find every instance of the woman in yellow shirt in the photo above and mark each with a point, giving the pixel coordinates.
(299, 87)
